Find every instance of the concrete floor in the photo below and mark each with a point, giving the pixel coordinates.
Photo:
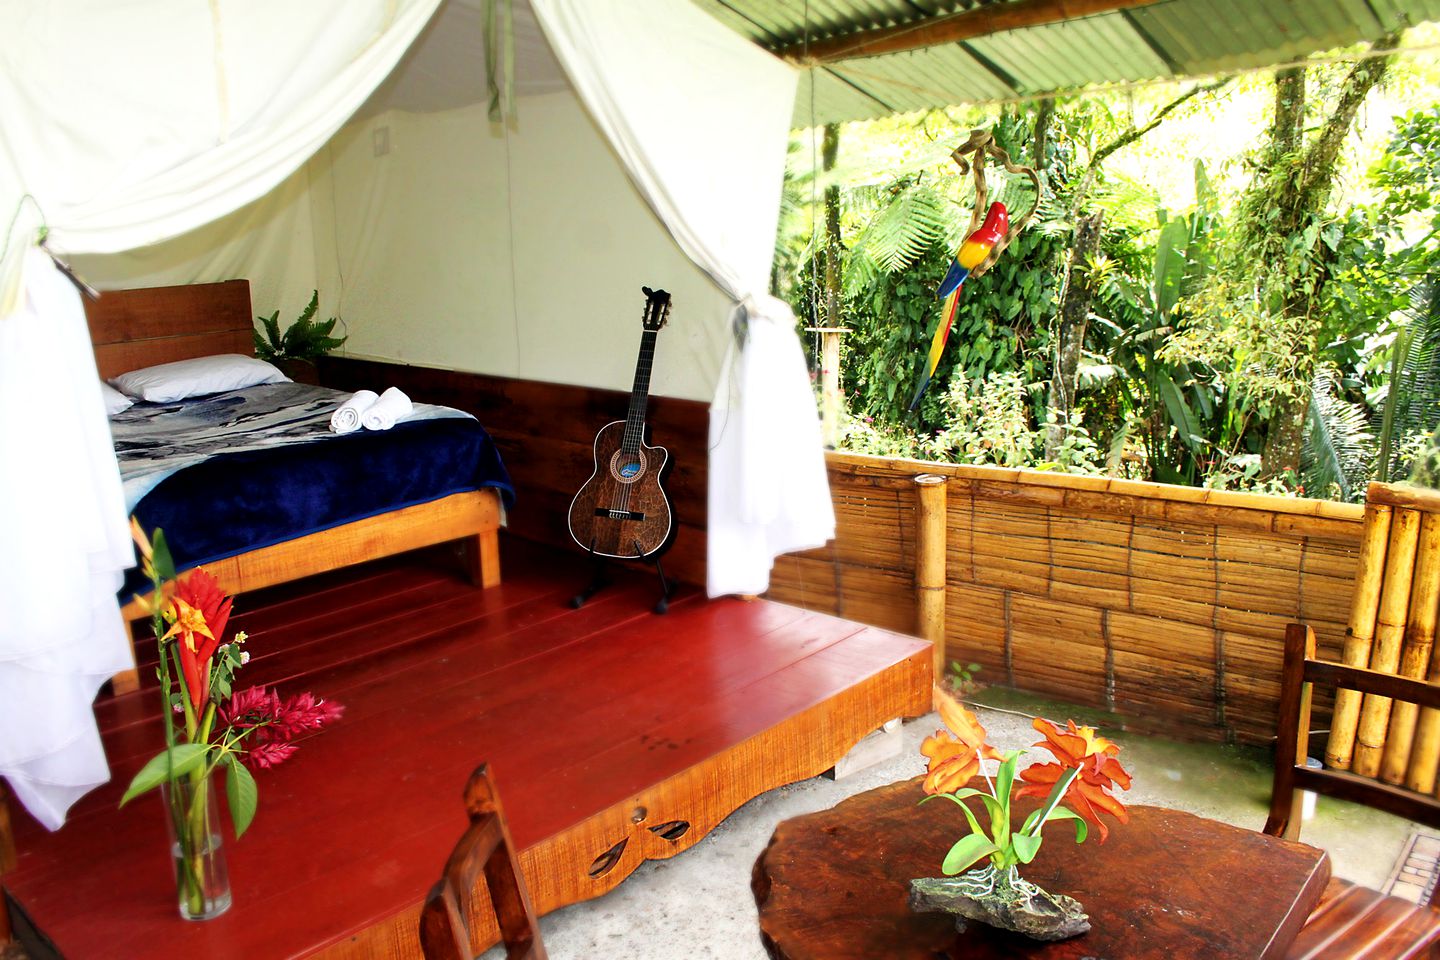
(699, 903)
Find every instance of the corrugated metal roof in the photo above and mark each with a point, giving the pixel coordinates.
(1167, 39)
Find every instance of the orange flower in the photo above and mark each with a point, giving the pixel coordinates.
(1087, 794)
(953, 760)
(1074, 745)
(1079, 748)
(201, 612)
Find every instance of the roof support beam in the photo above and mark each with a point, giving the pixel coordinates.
(990, 18)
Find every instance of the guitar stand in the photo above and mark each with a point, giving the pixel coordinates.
(599, 580)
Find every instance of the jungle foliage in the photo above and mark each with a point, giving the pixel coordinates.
(1275, 327)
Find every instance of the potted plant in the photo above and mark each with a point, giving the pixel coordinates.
(303, 342)
(1083, 776)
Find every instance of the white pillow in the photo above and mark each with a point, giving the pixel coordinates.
(115, 401)
(168, 382)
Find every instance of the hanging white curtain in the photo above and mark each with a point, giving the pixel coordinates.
(124, 125)
(700, 118)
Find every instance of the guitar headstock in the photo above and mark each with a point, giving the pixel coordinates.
(657, 309)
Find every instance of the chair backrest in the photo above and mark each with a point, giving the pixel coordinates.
(1391, 630)
(1302, 671)
(485, 849)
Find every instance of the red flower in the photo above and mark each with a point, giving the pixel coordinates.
(275, 721)
(201, 611)
(266, 755)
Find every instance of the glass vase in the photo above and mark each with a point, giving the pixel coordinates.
(192, 822)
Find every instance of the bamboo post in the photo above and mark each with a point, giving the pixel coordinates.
(1389, 633)
(1360, 631)
(930, 566)
(831, 403)
(1415, 654)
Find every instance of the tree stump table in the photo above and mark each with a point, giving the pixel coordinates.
(834, 885)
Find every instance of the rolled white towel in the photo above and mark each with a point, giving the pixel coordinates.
(382, 414)
(347, 418)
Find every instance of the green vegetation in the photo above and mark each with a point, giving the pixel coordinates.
(305, 339)
(1232, 284)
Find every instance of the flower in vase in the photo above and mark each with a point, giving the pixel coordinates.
(273, 721)
(201, 611)
(954, 757)
(1098, 773)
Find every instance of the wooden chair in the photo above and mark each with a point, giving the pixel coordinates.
(485, 848)
(1370, 924)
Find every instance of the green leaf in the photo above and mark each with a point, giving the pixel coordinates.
(177, 761)
(1180, 414)
(1025, 846)
(969, 814)
(164, 563)
(966, 851)
(1082, 829)
(1000, 813)
(242, 794)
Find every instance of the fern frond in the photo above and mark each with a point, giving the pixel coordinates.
(905, 229)
(1337, 441)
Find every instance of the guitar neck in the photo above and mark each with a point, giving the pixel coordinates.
(640, 392)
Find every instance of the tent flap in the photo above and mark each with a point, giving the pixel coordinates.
(700, 118)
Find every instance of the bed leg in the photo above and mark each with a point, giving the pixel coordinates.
(482, 558)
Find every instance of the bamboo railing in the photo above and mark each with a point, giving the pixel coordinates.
(1164, 604)
(1392, 631)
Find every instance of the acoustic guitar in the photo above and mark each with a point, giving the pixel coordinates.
(623, 511)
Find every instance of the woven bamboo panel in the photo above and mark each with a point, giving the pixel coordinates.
(1166, 605)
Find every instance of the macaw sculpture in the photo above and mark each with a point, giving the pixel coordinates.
(971, 254)
(980, 249)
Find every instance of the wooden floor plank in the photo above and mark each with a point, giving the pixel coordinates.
(577, 711)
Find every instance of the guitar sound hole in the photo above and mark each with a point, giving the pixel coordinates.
(627, 468)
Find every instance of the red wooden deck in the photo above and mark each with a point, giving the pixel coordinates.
(599, 724)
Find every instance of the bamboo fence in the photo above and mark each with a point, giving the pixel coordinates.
(1166, 605)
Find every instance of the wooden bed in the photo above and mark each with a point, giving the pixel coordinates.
(139, 328)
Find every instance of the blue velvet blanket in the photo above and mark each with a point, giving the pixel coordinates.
(233, 502)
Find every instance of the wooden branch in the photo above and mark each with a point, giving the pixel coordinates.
(993, 18)
(1092, 169)
(1320, 157)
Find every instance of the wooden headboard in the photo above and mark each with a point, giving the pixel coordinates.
(139, 328)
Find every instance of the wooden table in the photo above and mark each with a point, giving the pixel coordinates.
(1169, 884)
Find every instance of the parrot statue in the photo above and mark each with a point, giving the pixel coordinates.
(971, 254)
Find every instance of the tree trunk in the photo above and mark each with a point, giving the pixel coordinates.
(1070, 339)
(1297, 185)
(830, 148)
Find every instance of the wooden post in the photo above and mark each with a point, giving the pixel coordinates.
(930, 566)
(831, 403)
(1359, 632)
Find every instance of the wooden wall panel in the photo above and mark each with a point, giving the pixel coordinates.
(1166, 605)
(545, 433)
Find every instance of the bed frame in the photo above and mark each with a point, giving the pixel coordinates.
(138, 328)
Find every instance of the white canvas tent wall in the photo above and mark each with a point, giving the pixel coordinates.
(516, 250)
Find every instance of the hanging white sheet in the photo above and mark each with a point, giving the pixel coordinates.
(124, 125)
(700, 118)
